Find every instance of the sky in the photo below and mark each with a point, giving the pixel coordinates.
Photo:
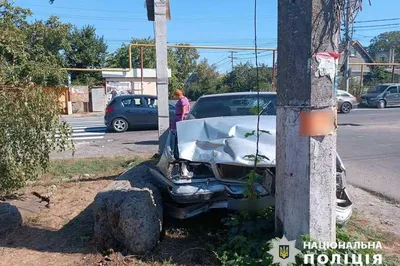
(205, 22)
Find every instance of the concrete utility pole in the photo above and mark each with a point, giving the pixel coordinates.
(160, 32)
(306, 141)
(348, 46)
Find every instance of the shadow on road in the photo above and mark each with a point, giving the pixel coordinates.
(349, 124)
(95, 129)
(147, 142)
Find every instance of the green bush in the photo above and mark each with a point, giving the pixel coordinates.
(30, 129)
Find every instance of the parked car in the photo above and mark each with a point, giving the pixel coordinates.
(382, 96)
(345, 101)
(204, 165)
(133, 111)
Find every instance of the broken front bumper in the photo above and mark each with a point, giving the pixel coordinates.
(192, 197)
(214, 145)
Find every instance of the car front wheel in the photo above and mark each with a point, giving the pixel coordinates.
(381, 104)
(120, 125)
(345, 108)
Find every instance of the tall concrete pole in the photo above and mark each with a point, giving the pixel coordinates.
(160, 32)
(348, 46)
(305, 182)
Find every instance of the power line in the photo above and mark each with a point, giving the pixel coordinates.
(377, 20)
(224, 64)
(382, 28)
(118, 18)
(220, 61)
(376, 26)
(111, 10)
(88, 9)
(93, 17)
(253, 57)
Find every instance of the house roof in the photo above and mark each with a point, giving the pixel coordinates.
(357, 45)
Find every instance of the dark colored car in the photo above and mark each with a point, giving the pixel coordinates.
(382, 96)
(133, 111)
(345, 101)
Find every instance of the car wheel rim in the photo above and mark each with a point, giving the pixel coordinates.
(119, 125)
(346, 108)
(382, 104)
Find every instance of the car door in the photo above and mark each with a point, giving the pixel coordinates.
(134, 109)
(397, 96)
(392, 96)
(151, 111)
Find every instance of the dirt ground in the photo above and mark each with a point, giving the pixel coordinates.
(62, 233)
(376, 210)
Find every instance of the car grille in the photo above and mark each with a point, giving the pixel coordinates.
(237, 173)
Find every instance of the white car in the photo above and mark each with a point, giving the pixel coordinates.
(204, 166)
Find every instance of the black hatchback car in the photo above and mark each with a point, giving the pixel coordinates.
(133, 111)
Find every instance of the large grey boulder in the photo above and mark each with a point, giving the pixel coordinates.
(10, 217)
(129, 213)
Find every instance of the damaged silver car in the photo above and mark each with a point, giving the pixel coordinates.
(204, 165)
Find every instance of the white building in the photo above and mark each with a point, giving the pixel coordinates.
(131, 82)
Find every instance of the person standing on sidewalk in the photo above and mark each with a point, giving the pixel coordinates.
(182, 108)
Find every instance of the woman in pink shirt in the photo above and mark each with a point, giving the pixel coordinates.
(182, 108)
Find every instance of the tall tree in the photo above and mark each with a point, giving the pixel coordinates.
(30, 127)
(30, 52)
(47, 40)
(186, 59)
(204, 80)
(181, 61)
(120, 58)
(244, 77)
(86, 50)
(384, 42)
(377, 75)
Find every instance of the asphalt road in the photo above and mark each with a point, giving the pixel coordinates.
(368, 142)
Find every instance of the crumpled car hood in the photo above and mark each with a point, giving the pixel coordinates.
(222, 140)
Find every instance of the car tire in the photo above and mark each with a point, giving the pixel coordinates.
(381, 104)
(345, 107)
(120, 125)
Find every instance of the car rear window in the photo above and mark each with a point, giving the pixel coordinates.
(234, 105)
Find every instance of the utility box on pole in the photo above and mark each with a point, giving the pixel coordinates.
(308, 36)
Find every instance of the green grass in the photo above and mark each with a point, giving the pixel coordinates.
(62, 170)
(362, 228)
